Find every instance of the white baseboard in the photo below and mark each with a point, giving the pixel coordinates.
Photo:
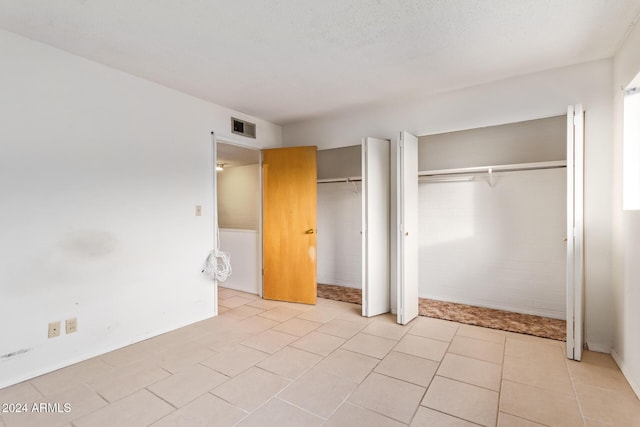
(89, 355)
(625, 372)
(599, 347)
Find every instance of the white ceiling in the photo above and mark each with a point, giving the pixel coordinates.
(289, 60)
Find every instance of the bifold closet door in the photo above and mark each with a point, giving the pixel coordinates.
(406, 230)
(375, 226)
(575, 231)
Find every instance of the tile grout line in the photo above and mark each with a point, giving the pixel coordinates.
(575, 391)
(434, 375)
(165, 400)
(504, 357)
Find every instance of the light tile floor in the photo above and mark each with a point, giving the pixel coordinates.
(266, 363)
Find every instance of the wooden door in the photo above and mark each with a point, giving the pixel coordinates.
(375, 227)
(289, 202)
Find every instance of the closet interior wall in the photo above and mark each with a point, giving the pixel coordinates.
(339, 219)
(495, 242)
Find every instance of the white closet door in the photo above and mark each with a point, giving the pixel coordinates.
(407, 236)
(575, 231)
(375, 226)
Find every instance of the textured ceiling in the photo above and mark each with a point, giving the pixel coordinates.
(288, 60)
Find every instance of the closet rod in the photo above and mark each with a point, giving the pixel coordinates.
(345, 179)
(498, 168)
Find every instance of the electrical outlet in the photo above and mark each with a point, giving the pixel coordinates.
(54, 329)
(71, 325)
(198, 210)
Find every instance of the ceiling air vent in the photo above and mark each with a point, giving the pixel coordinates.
(240, 127)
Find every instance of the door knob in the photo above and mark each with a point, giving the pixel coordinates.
(309, 231)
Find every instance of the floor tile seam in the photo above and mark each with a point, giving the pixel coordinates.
(404, 381)
(107, 403)
(380, 413)
(324, 419)
(339, 336)
(412, 354)
(361, 354)
(176, 409)
(532, 384)
(536, 359)
(424, 336)
(378, 336)
(172, 405)
(105, 399)
(476, 358)
(35, 387)
(323, 371)
(323, 333)
(451, 415)
(301, 374)
(487, 331)
(504, 344)
(119, 400)
(619, 392)
(281, 332)
(400, 379)
(227, 375)
(374, 411)
(415, 411)
(544, 390)
(458, 416)
(356, 333)
(504, 355)
(524, 418)
(227, 378)
(472, 384)
(226, 401)
(255, 349)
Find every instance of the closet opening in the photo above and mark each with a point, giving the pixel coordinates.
(493, 226)
(339, 221)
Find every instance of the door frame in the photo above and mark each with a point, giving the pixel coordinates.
(232, 141)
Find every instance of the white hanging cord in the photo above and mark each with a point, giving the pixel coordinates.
(217, 265)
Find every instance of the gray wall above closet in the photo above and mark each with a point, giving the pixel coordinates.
(538, 140)
(340, 162)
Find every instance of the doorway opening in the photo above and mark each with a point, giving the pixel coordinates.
(238, 190)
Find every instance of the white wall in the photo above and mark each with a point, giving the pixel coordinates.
(239, 197)
(499, 247)
(242, 247)
(99, 175)
(527, 97)
(339, 240)
(626, 249)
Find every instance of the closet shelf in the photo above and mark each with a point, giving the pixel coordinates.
(497, 168)
(343, 179)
